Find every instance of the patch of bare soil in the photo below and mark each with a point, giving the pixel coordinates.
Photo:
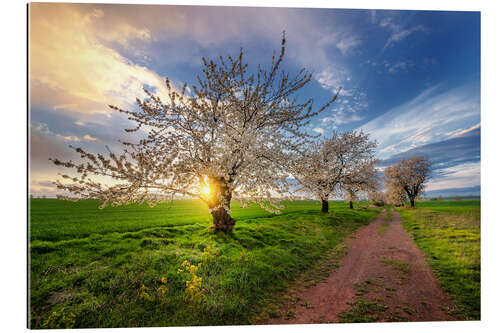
(383, 277)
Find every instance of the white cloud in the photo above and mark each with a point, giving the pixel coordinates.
(425, 119)
(398, 32)
(464, 175)
(38, 130)
(347, 44)
(401, 34)
(462, 131)
(89, 138)
(399, 66)
(319, 130)
(68, 137)
(341, 118)
(337, 79)
(332, 79)
(43, 145)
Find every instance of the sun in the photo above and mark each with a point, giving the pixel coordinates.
(206, 190)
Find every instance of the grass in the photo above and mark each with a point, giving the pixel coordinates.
(382, 228)
(363, 311)
(448, 232)
(290, 314)
(363, 288)
(398, 265)
(307, 305)
(56, 220)
(388, 212)
(119, 267)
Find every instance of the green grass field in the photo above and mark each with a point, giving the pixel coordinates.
(140, 266)
(449, 233)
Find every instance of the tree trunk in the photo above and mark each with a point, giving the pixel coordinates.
(222, 220)
(412, 202)
(219, 202)
(324, 206)
(350, 205)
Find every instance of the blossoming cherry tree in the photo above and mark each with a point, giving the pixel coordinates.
(228, 136)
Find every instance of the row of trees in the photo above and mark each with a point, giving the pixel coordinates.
(234, 134)
(343, 163)
(404, 181)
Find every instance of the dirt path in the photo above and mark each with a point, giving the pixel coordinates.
(383, 277)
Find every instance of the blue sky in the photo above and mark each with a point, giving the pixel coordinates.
(411, 79)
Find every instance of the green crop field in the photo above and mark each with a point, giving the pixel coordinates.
(449, 233)
(161, 266)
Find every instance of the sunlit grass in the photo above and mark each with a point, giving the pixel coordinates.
(120, 266)
(54, 220)
(449, 234)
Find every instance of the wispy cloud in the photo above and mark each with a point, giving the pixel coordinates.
(426, 118)
(398, 31)
(455, 163)
(45, 144)
(352, 100)
(42, 130)
(341, 118)
(319, 130)
(334, 78)
(399, 66)
(346, 45)
(89, 138)
(460, 176)
(69, 137)
(460, 149)
(401, 34)
(463, 131)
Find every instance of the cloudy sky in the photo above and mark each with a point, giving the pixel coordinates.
(411, 79)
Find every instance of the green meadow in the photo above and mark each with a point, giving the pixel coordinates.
(449, 233)
(133, 266)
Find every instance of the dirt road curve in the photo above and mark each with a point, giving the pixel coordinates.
(383, 277)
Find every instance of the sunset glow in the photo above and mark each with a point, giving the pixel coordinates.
(205, 188)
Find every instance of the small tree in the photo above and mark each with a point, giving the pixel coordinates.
(377, 198)
(396, 196)
(408, 175)
(361, 177)
(229, 138)
(323, 166)
(351, 195)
